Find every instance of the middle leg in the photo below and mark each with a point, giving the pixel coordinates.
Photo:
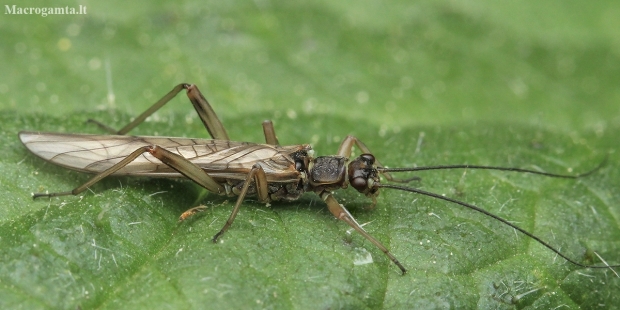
(270, 133)
(258, 177)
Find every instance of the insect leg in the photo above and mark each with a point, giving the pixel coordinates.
(138, 120)
(187, 168)
(206, 113)
(256, 175)
(177, 162)
(191, 212)
(270, 133)
(343, 214)
(97, 177)
(202, 106)
(347, 146)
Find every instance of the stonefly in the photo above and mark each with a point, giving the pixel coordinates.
(268, 171)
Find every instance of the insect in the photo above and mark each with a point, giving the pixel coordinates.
(268, 171)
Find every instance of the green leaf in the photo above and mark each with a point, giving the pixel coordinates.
(120, 245)
(428, 83)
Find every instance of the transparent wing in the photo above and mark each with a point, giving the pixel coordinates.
(220, 158)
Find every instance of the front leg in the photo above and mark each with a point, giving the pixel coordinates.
(341, 213)
(347, 146)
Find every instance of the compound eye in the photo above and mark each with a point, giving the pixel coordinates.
(359, 184)
(369, 159)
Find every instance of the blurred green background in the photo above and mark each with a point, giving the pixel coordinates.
(484, 82)
(398, 63)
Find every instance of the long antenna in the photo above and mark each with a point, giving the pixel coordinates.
(487, 213)
(445, 167)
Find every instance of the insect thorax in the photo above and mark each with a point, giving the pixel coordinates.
(327, 173)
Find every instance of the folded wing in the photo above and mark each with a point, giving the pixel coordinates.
(220, 158)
